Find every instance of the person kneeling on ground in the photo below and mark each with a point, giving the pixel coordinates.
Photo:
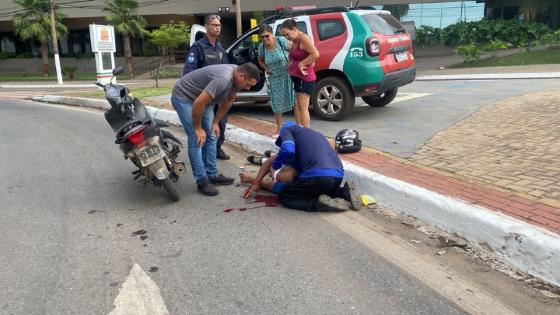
(306, 173)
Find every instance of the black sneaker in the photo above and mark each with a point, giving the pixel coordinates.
(206, 188)
(221, 155)
(268, 153)
(352, 196)
(221, 180)
(327, 203)
(256, 159)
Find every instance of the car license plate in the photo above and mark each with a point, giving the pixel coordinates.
(401, 56)
(149, 154)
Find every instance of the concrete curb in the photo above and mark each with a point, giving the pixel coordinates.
(489, 76)
(529, 248)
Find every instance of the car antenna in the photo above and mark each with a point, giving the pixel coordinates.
(357, 4)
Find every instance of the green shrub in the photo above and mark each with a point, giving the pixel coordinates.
(470, 53)
(69, 71)
(6, 55)
(428, 36)
(25, 55)
(518, 33)
(495, 45)
(552, 39)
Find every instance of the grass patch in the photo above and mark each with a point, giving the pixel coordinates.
(548, 56)
(139, 92)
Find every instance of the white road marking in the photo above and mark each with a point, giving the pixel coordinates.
(443, 280)
(139, 295)
(401, 97)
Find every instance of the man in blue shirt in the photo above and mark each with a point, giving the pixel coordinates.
(306, 173)
(205, 52)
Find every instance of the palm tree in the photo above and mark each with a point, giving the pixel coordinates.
(122, 15)
(34, 23)
(397, 10)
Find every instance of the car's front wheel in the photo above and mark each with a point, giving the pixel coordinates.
(332, 99)
(381, 99)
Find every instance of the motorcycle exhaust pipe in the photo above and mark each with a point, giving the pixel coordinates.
(179, 168)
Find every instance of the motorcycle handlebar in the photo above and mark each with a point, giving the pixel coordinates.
(100, 84)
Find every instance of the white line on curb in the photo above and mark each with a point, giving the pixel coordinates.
(489, 76)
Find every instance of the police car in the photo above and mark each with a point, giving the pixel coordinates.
(364, 53)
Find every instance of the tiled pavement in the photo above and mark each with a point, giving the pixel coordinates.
(544, 212)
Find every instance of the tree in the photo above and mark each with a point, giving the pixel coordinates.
(534, 10)
(397, 10)
(34, 23)
(169, 36)
(122, 15)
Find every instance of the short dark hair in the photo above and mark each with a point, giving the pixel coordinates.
(265, 28)
(210, 17)
(289, 24)
(250, 70)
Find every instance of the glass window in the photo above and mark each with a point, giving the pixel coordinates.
(329, 29)
(300, 25)
(385, 24)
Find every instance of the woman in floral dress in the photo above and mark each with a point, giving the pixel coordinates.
(273, 58)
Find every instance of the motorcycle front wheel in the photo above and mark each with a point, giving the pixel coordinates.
(170, 188)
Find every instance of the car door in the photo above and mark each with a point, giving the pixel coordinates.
(242, 50)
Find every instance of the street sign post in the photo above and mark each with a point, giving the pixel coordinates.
(103, 45)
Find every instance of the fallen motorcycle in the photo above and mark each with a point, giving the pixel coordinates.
(141, 138)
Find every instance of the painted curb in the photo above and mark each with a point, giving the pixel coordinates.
(529, 248)
(489, 76)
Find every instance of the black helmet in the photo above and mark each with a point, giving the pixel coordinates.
(347, 141)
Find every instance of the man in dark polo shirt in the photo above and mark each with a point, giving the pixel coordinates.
(306, 173)
(205, 52)
(194, 97)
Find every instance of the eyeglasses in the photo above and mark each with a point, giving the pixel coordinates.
(265, 37)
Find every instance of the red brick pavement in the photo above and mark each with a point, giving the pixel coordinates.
(447, 184)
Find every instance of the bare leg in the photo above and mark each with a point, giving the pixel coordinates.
(278, 117)
(303, 108)
(297, 116)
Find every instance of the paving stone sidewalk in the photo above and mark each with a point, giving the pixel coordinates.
(513, 144)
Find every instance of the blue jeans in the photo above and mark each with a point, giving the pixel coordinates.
(203, 160)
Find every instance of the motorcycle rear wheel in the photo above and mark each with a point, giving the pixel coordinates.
(170, 188)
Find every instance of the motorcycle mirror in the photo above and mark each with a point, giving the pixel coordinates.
(118, 70)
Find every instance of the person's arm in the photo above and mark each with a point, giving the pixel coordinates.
(287, 152)
(256, 184)
(308, 46)
(199, 105)
(222, 111)
(192, 59)
(263, 65)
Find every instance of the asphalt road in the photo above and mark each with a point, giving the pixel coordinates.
(421, 110)
(70, 209)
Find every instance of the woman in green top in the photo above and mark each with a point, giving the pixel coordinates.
(273, 58)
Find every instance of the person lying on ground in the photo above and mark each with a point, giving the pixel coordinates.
(306, 173)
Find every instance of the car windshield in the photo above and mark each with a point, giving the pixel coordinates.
(384, 24)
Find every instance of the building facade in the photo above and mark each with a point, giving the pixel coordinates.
(81, 13)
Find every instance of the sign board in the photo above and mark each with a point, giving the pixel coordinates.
(102, 38)
(103, 45)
